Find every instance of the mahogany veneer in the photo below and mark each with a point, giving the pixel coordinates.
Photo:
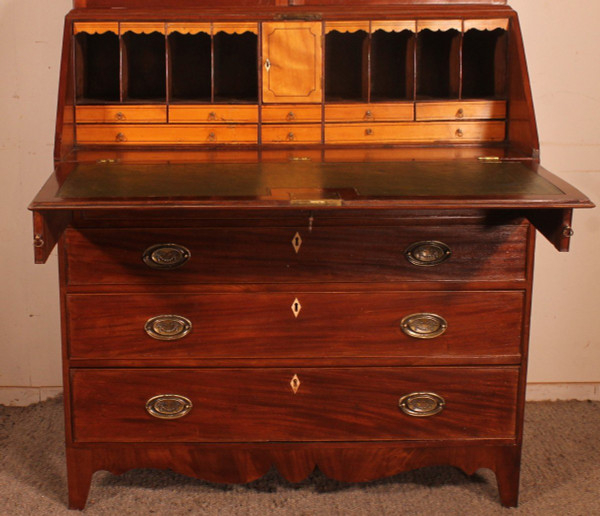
(296, 234)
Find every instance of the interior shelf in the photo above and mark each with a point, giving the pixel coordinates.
(346, 66)
(144, 67)
(190, 67)
(484, 64)
(98, 63)
(392, 68)
(438, 64)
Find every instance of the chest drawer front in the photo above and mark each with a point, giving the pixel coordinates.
(213, 114)
(291, 133)
(333, 404)
(290, 255)
(297, 325)
(473, 110)
(291, 113)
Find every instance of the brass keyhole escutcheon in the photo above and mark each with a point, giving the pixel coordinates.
(267, 65)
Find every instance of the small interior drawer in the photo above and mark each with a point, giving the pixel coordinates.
(292, 404)
(291, 133)
(166, 134)
(416, 132)
(224, 114)
(467, 110)
(121, 114)
(291, 113)
(369, 112)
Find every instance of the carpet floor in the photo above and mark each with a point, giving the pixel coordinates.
(560, 476)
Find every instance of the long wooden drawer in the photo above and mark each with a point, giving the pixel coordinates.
(417, 132)
(166, 134)
(369, 112)
(420, 325)
(289, 255)
(291, 133)
(474, 110)
(295, 404)
(214, 113)
(121, 114)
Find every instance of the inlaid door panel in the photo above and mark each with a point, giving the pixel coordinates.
(292, 57)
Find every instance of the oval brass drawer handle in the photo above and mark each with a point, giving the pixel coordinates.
(168, 406)
(427, 253)
(168, 327)
(421, 404)
(166, 256)
(423, 325)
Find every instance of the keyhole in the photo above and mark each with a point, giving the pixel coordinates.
(296, 307)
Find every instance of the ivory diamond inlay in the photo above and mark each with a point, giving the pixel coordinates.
(296, 307)
(295, 383)
(297, 242)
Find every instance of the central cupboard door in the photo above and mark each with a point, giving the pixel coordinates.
(292, 62)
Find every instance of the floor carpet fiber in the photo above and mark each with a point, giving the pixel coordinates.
(560, 476)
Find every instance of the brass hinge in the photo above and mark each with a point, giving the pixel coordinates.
(107, 161)
(489, 159)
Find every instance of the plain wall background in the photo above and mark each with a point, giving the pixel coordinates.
(561, 43)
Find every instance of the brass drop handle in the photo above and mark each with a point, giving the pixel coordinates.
(168, 327)
(166, 256)
(38, 240)
(291, 116)
(460, 113)
(120, 116)
(291, 137)
(212, 115)
(168, 406)
(369, 114)
(121, 137)
(421, 404)
(427, 253)
(212, 137)
(459, 133)
(369, 131)
(267, 64)
(423, 325)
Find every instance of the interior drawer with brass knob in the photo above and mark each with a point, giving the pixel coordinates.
(294, 404)
(417, 132)
(154, 134)
(214, 113)
(397, 112)
(459, 110)
(413, 327)
(291, 113)
(121, 114)
(234, 255)
(291, 133)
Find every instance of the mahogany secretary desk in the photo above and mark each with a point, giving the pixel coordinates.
(296, 235)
